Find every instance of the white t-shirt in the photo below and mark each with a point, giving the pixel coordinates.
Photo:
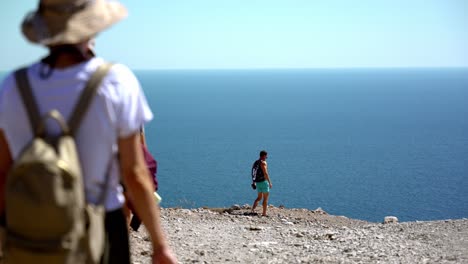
(118, 110)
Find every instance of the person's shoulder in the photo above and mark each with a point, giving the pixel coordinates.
(120, 77)
(8, 83)
(6, 88)
(120, 70)
(117, 72)
(263, 162)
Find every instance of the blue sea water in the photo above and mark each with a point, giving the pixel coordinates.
(363, 143)
(359, 143)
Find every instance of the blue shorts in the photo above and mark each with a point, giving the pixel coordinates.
(263, 187)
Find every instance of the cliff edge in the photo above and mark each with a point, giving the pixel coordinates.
(234, 235)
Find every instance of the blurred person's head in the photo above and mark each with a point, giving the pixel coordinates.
(70, 26)
(59, 22)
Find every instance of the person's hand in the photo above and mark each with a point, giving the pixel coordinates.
(164, 256)
(271, 185)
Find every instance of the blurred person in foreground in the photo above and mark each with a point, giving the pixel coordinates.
(110, 129)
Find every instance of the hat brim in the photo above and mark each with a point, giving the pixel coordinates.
(52, 29)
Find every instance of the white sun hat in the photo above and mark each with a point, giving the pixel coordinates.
(58, 22)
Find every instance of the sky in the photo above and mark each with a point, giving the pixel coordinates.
(226, 34)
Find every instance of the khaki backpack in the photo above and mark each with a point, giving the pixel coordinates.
(47, 217)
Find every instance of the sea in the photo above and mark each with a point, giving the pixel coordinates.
(362, 143)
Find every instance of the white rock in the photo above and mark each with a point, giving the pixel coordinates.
(390, 220)
(320, 211)
(186, 211)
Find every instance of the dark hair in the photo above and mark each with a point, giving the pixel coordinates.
(263, 153)
(48, 63)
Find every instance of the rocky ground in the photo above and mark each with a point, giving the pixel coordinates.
(218, 235)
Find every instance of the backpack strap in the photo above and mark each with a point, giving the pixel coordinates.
(27, 95)
(86, 97)
(22, 81)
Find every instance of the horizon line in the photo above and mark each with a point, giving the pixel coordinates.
(288, 68)
(302, 68)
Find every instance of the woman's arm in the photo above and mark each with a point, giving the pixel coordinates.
(140, 190)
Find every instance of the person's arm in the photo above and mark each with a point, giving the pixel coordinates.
(264, 167)
(140, 190)
(5, 163)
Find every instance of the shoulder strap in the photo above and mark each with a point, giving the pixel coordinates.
(27, 95)
(22, 81)
(86, 97)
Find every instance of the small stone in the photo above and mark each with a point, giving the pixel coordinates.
(235, 207)
(255, 228)
(299, 235)
(200, 252)
(145, 253)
